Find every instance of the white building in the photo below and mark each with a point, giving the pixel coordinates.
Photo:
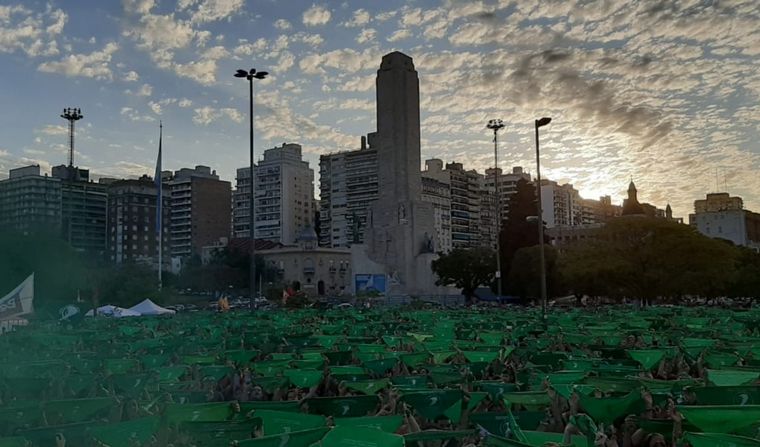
(722, 217)
(347, 187)
(439, 194)
(284, 196)
(465, 200)
(560, 204)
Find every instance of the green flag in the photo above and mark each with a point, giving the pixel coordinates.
(346, 436)
(16, 441)
(721, 418)
(731, 377)
(532, 400)
(433, 403)
(647, 358)
(303, 378)
(727, 395)
(719, 440)
(302, 438)
(347, 406)
(277, 422)
(608, 409)
(387, 424)
(201, 412)
(480, 356)
(380, 366)
(368, 386)
(126, 434)
(78, 410)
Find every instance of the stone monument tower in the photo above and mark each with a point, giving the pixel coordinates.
(401, 226)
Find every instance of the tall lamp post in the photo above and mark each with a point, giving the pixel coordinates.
(250, 75)
(72, 116)
(540, 123)
(496, 125)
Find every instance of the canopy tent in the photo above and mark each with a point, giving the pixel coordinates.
(148, 307)
(113, 311)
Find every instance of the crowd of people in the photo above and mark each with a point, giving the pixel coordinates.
(387, 377)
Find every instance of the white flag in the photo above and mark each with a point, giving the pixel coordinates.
(19, 301)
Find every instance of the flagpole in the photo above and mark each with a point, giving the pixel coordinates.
(159, 211)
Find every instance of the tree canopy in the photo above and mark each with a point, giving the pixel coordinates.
(466, 269)
(648, 258)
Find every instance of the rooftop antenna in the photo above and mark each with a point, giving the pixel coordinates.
(71, 115)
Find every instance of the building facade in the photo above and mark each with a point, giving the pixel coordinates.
(438, 194)
(200, 210)
(132, 222)
(84, 206)
(720, 216)
(347, 187)
(284, 202)
(465, 200)
(30, 201)
(319, 271)
(560, 204)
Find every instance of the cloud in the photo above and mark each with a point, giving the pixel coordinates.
(33, 33)
(213, 10)
(185, 103)
(282, 24)
(138, 6)
(134, 115)
(93, 65)
(316, 15)
(360, 18)
(399, 35)
(131, 76)
(207, 115)
(366, 35)
(145, 90)
(56, 129)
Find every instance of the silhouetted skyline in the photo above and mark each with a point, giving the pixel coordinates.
(663, 94)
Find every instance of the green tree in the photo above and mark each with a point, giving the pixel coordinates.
(638, 257)
(518, 230)
(59, 271)
(746, 281)
(466, 269)
(525, 274)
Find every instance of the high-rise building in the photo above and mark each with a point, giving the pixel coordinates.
(438, 194)
(132, 225)
(599, 211)
(284, 204)
(561, 204)
(200, 210)
(83, 209)
(507, 183)
(721, 216)
(347, 187)
(30, 201)
(465, 200)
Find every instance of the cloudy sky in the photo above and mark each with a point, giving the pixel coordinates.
(664, 91)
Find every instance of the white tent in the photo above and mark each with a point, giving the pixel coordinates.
(148, 307)
(114, 311)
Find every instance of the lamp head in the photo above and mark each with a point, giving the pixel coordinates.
(495, 124)
(241, 74)
(543, 121)
(261, 75)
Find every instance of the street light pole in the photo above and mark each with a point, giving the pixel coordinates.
(540, 123)
(496, 125)
(250, 75)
